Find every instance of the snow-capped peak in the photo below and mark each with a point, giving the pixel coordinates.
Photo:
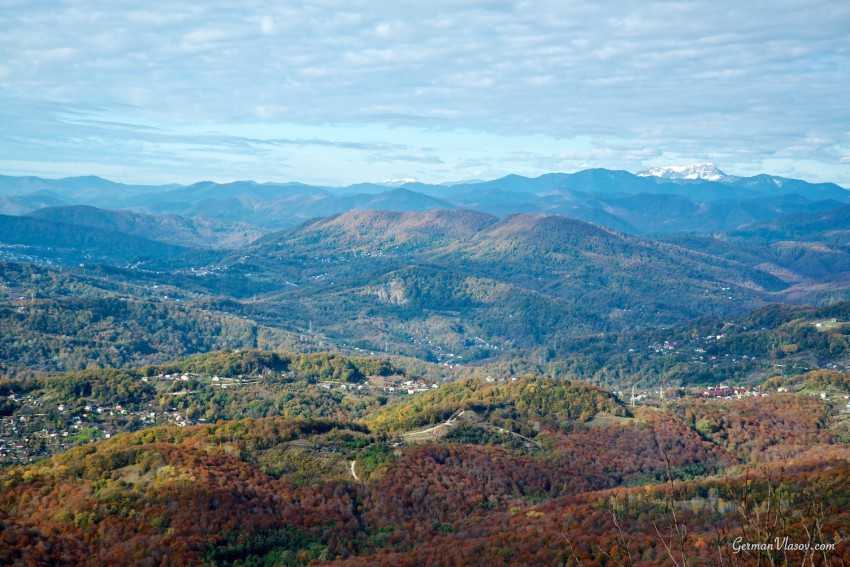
(706, 171)
(398, 182)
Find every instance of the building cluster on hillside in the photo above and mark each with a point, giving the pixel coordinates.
(659, 348)
(39, 429)
(673, 345)
(44, 426)
(722, 391)
(398, 386)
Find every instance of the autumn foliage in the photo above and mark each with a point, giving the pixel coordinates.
(672, 485)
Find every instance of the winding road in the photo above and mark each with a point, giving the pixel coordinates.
(448, 422)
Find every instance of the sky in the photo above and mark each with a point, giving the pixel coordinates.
(335, 92)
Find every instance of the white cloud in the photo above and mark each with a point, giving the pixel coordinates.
(267, 25)
(747, 81)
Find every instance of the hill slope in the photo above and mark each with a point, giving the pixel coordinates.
(296, 491)
(70, 243)
(473, 279)
(197, 232)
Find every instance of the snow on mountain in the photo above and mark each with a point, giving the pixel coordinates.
(705, 171)
(397, 182)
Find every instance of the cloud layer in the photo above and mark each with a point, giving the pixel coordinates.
(552, 84)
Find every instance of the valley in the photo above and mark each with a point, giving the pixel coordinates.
(596, 368)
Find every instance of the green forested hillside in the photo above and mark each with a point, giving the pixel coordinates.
(196, 232)
(451, 287)
(71, 334)
(528, 399)
(473, 286)
(773, 341)
(68, 243)
(803, 249)
(43, 415)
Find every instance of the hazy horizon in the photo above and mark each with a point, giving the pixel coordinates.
(332, 93)
(388, 183)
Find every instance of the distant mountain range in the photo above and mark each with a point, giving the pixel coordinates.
(698, 198)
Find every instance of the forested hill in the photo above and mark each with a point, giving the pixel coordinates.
(804, 250)
(444, 286)
(373, 230)
(66, 242)
(527, 472)
(481, 284)
(779, 340)
(195, 232)
(537, 245)
(90, 317)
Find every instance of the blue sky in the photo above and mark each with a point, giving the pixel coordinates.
(337, 92)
